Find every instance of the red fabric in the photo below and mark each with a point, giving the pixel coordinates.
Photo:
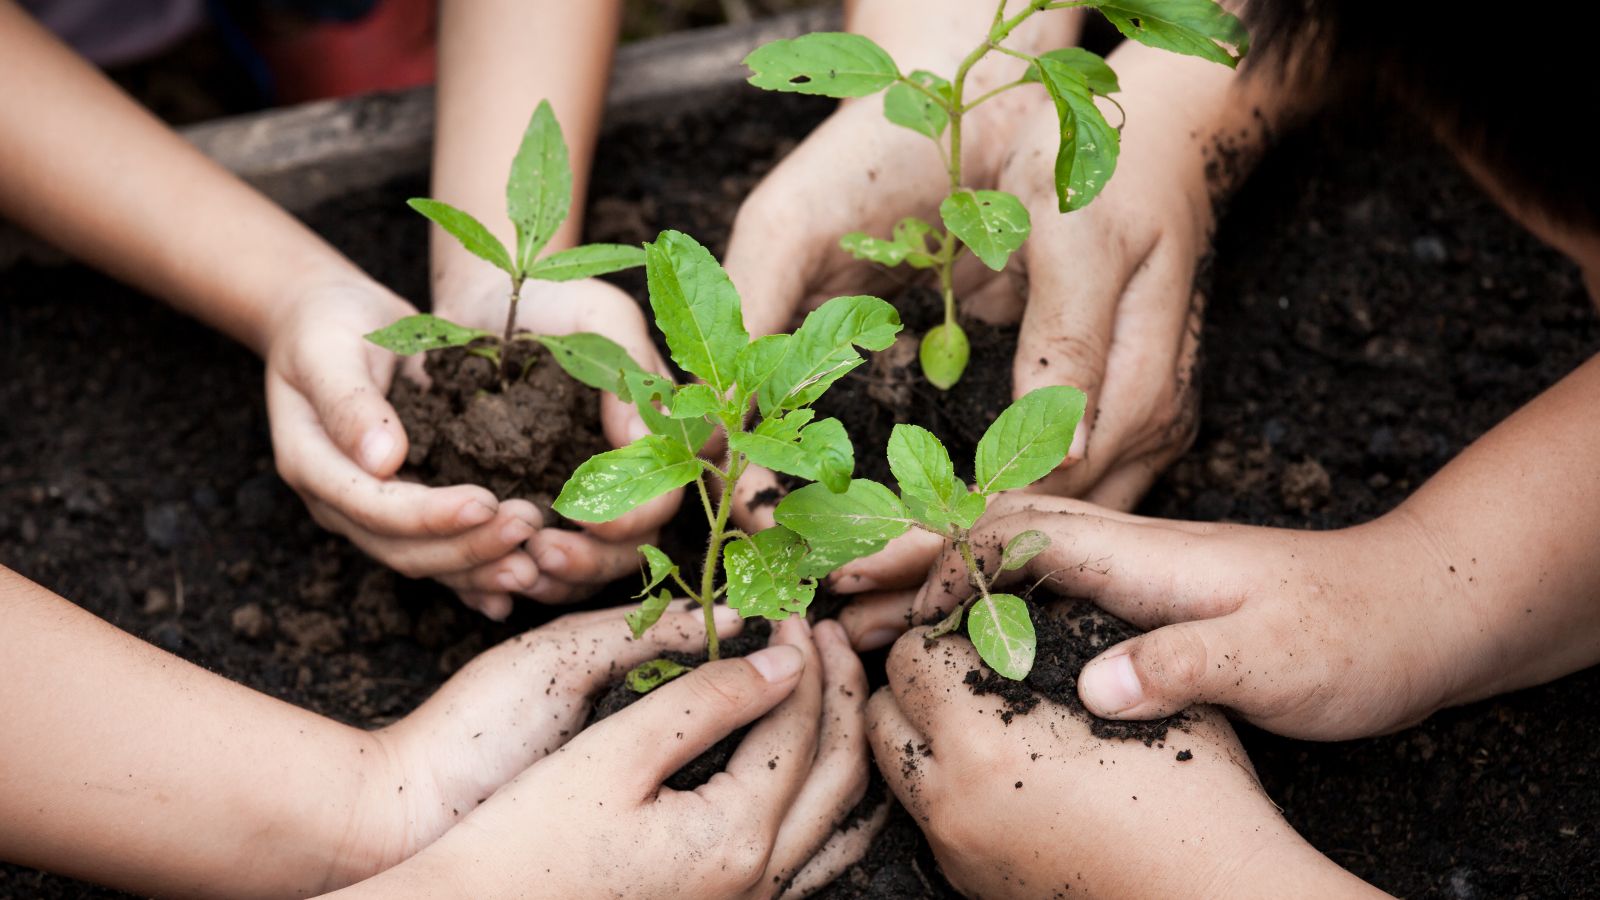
(391, 48)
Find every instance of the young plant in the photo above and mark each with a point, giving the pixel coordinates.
(771, 573)
(992, 224)
(1024, 444)
(538, 199)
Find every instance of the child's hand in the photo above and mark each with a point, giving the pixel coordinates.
(1041, 808)
(571, 564)
(338, 443)
(594, 819)
(1323, 635)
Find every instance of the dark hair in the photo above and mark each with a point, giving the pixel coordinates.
(1513, 88)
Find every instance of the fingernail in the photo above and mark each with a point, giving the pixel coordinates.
(1110, 686)
(474, 513)
(777, 663)
(1080, 440)
(375, 449)
(877, 638)
(552, 559)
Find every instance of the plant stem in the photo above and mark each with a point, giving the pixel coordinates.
(953, 621)
(719, 525)
(511, 324)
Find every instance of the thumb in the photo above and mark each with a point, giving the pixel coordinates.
(771, 269)
(351, 406)
(677, 722)
(1160, 673)
(621, 420)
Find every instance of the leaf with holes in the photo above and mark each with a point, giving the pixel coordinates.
(422, 332)
(764, 575)
(647, 614)
(992, 223)
(1090, 67)
(661, 567)
(696, 308)
(612, 483)
(1002, 631)
(831, 64)
(644, 389)
(908, 107)
(1089, 147)
(1192, 27)
(593, 359)
(539, 191)
(1028, 439)
(646, 677)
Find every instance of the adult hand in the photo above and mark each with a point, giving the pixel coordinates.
(1040, 807)
(595, 818)
(568, 565)
(339, 443)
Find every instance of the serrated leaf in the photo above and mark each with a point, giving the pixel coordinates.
(944, 354)
(644, 389)
(1087, 156)
(1002, 631)
(1028, 439)
(612, 483)
(539, 191)
(593, 359)
(646, 677)
(692, 401)
(830, 64)
(822, 350)
(1192, 27)
(993, 224)
(587, 261)
(661, 567)
(829, 447)
(759, 360)
(816, 452)
(422, 332)
(647, 614)
(1090, 67)
(846, 526)
(910, 108)
(696, 308)
(763, 573)
(471, 233)
(927, 478)
(1021, 549)
(969, 509)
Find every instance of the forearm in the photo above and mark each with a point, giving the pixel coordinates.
(1509, 529)
(128, 766)
(86, 168)
(497, 60)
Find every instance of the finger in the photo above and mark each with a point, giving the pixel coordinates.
(901, 752)
(576, 558)
(769, 768)
(843, 849)
(621, 420)
(926, 677)
(838, 778)
(351, 403)
(605, 636)
(1125, 485)
(769, 267)
(903, 563)
(638, 524)
(513, 573)
(875, 620)
(431, 557)
(1173, 668)
(316, 468)
(648, 741)
(755, 498)
(496, 606)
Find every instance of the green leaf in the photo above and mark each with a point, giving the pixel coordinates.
(944, 354)
(646, 677)
(1192, 27)
(643, 389)
(992, 223)
(696, 307)
(469, 231)
(909, 245)
(648, 613)
(828, 446)
(906, 106)
(831, 64)
(1029, 439)
(539, 191)
(969, 509)
(845, 526)
(587, 261)
(927, 478)
(1021, 550)
(822, 350)
(422, 332)
(1002, 632)
(612, 483)
(817, 452)
(1089, 147)
(764, 575)
(759, 360)
(692, 401)
(593, 359)
(1092, 69)
(661, 568)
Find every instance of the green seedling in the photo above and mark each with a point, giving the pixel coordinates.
(538, 199)
(761, 394)
(992, 224)
(1024, 444)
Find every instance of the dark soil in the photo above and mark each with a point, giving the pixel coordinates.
(519, 440)
(699, 770)
(1068, 639)
(1371, 314)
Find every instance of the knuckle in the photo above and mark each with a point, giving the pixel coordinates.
(1175, 660)
(721, 687)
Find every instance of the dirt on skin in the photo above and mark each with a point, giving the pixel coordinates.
(521, 440)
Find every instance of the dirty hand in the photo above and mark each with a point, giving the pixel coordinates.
(595, 818)
(1040, 807)
(339, 443)
(559, 565)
